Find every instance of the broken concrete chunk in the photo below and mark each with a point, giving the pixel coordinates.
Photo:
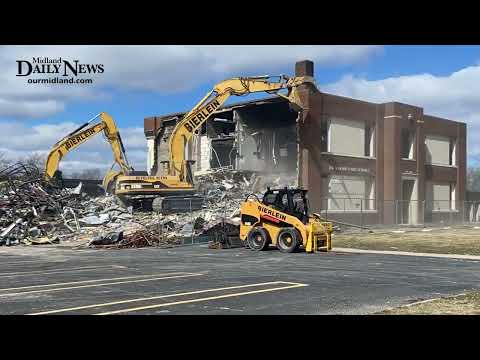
(76, 190)
(125, 216)
(108, 239)
(228, 185)
(95, 220)
(187, 229)
(10, 228)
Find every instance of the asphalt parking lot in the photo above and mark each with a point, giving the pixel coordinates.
(197, 280)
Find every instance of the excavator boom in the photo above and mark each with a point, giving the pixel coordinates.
(83, 134)
(191, 122)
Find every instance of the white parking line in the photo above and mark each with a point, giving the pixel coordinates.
(32, 261)
(90, 281)
(55, 271)
(201, 299)
(289, 286)
(98, 285)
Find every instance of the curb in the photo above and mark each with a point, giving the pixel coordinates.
(407, 253)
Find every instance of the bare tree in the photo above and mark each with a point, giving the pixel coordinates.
(35, 162)
(4, 161)
(473, 179)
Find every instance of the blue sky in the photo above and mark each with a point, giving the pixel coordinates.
(154, 80)
(130, 107)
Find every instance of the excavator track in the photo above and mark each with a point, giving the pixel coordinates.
(177, 204)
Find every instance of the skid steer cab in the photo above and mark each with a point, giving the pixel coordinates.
(282, 219)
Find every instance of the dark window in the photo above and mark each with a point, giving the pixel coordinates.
(406, 144)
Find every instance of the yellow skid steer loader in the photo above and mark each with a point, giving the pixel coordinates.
(282, 219)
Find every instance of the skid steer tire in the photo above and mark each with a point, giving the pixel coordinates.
(288, 240)
(258, 239)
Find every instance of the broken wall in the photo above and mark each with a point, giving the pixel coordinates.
(220, 130)
(162, 148)
(266, 138)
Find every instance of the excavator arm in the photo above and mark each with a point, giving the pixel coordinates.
(174, 190)
(83, 134)
(191, 122)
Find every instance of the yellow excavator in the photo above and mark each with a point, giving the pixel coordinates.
(175, 189)
(98, 124)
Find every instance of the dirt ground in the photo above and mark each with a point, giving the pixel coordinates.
(456, 240)
(465, 304)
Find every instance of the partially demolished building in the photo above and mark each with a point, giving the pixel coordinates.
(387, 163)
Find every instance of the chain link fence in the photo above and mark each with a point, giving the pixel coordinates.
(359, 212)
(216, 218)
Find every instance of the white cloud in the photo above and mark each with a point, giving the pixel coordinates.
(455, 97)
(27, 108)
(165, 69)
(18, 140)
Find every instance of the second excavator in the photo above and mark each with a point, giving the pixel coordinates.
(101, 123)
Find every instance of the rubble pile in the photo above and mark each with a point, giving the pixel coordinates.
(32, 212)
(225, 191)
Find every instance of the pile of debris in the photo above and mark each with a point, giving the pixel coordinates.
(33, 212)
(224, 191)
(137, 239)
(219, 219)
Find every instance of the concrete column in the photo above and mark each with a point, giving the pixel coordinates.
(391, 163)
(420, 156)
(460, 161)
(379, 143)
